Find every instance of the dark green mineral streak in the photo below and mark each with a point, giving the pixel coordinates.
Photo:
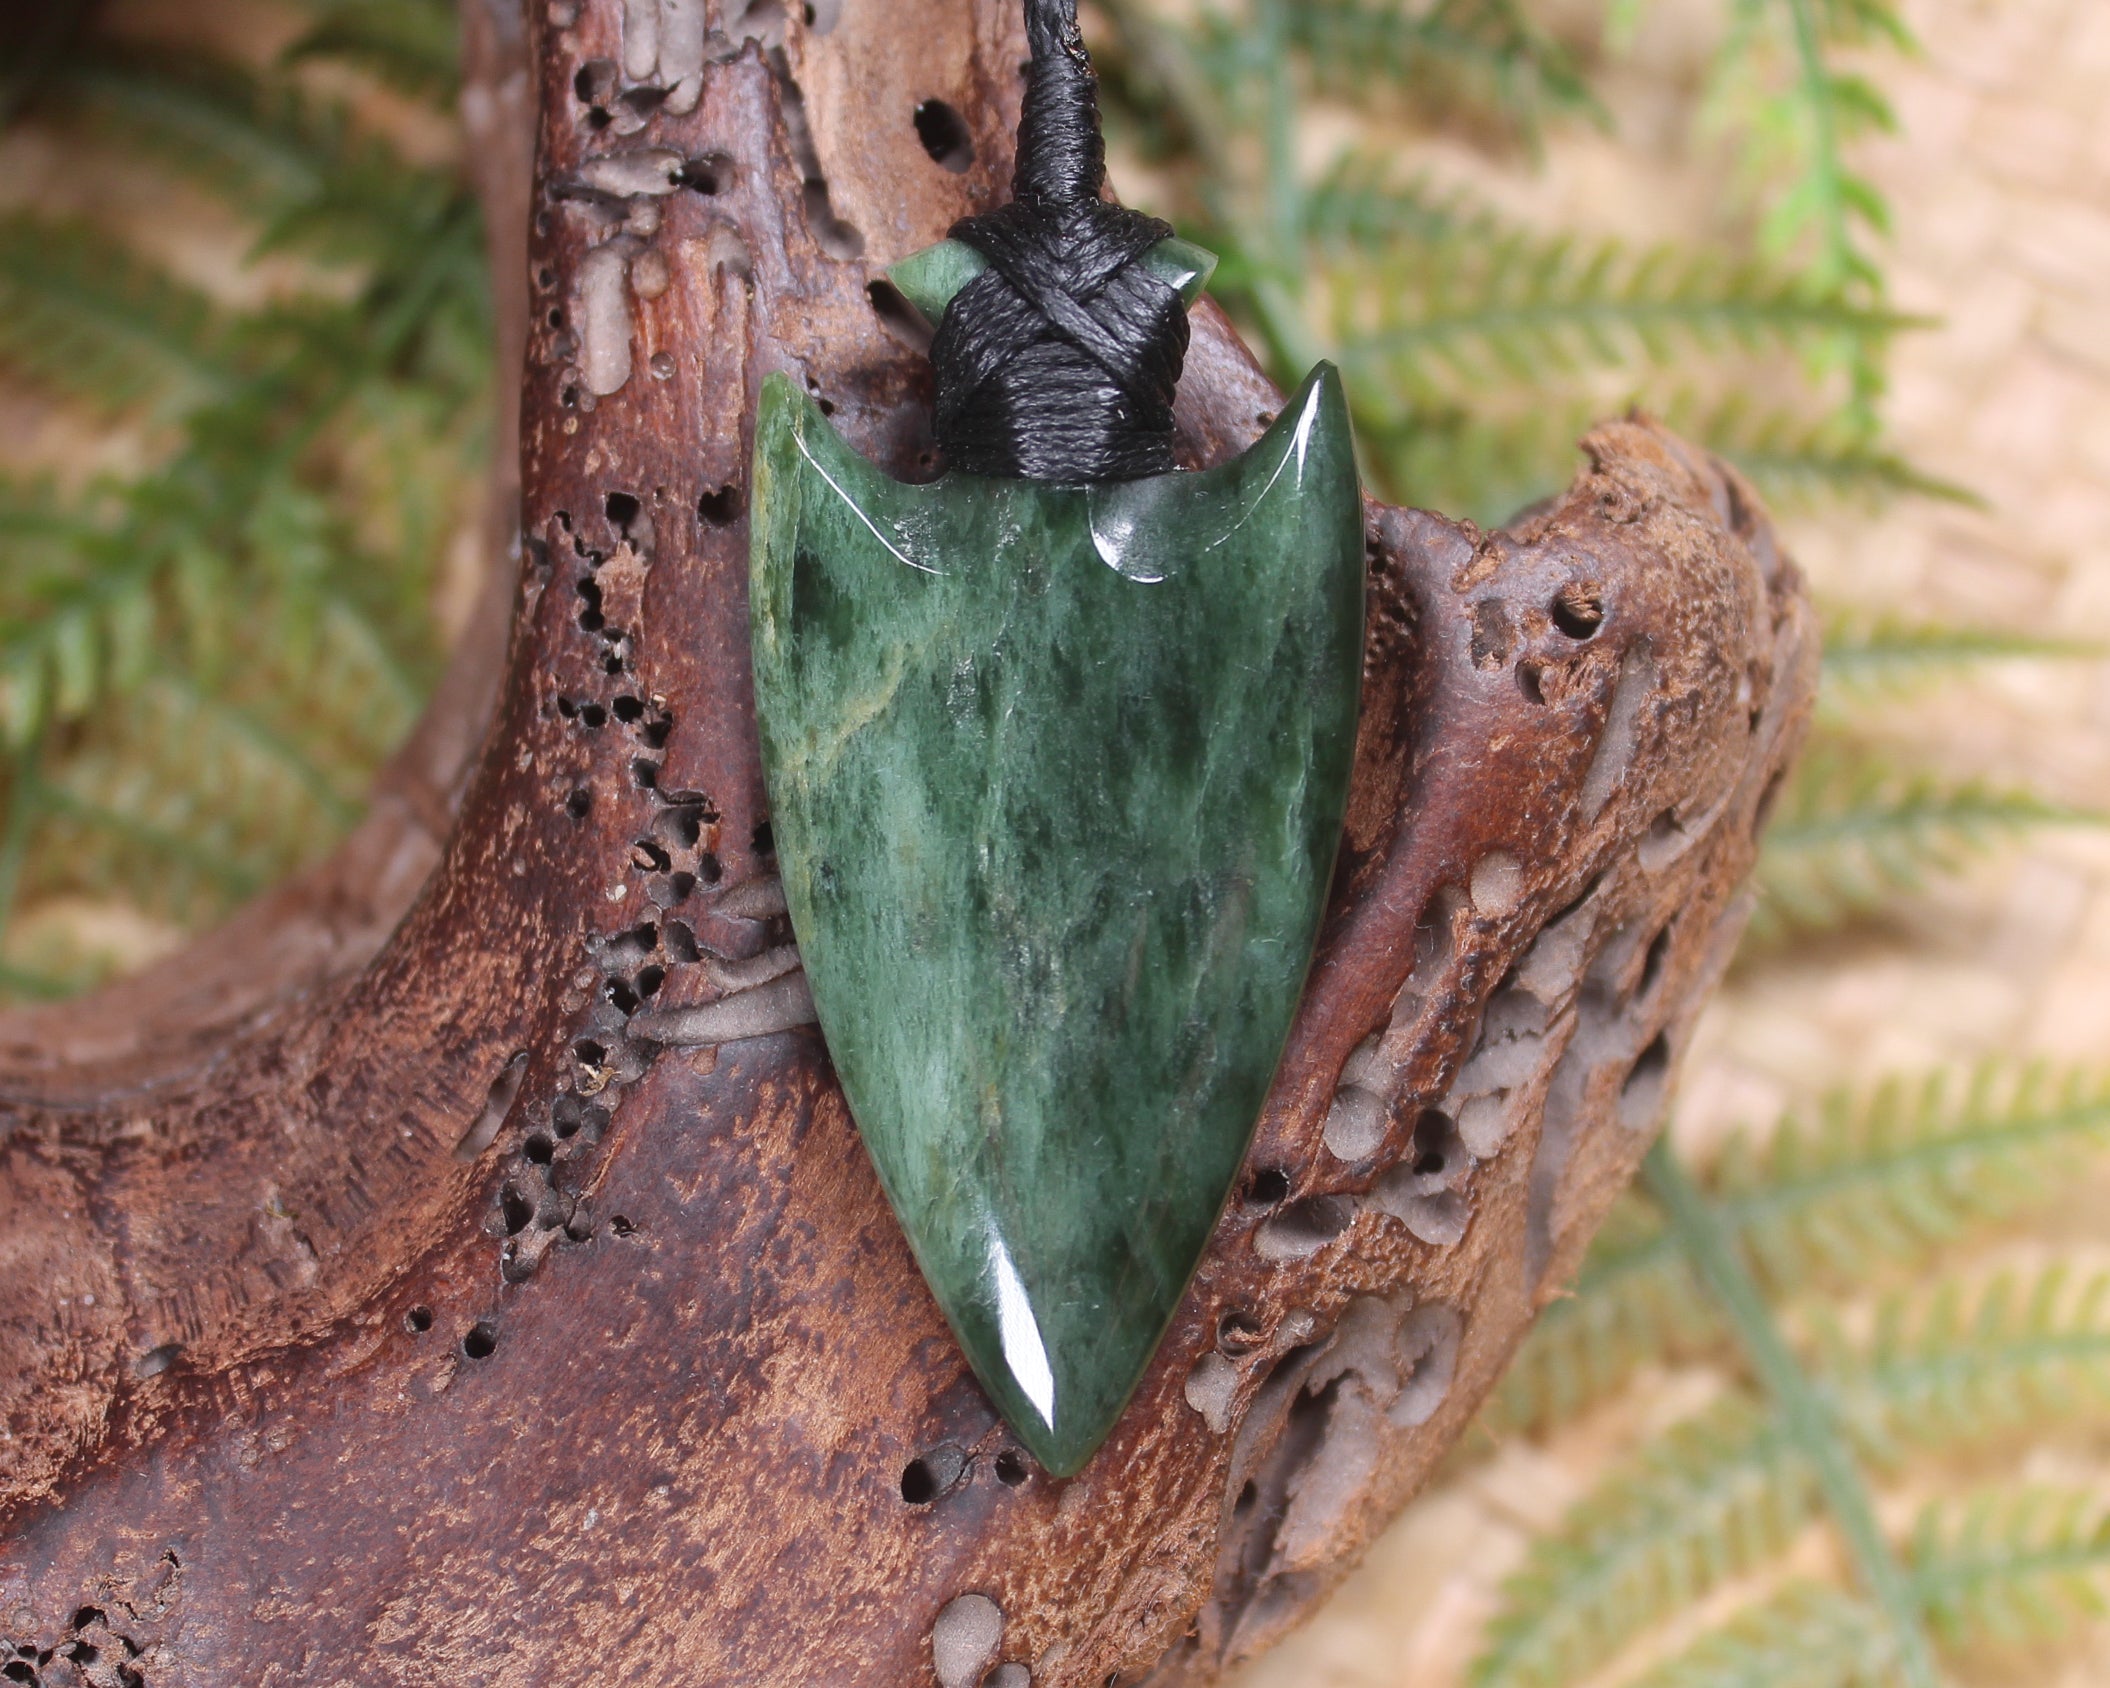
(1056, 776)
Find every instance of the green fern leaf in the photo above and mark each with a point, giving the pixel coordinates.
(1715, 1497)
(1864, 23)
(1776, 85)
(1963, 1363)
(1808, 1636)
(1516, 309)
(409, 44)
(1889, 1176)
(269, 150)
(1850, 834)
(1799, 460)
(77, 615)
(81, 315)
(366, 213)
(119, 838)
(1868, 1181)
(1481, 465)
(2012, 1565)
(1868, 657)
(1945, 1369)
(195, 805)
(313, 484)
(1488, 461)
(252, 141)
(1361, 206)
(1488, 53)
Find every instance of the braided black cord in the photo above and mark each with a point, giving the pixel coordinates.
(1059, 361)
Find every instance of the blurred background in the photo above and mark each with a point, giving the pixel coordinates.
(1831, 1402)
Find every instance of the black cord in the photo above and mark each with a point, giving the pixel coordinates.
(1059, 362)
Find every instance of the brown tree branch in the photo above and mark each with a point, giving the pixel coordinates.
(395, 1316)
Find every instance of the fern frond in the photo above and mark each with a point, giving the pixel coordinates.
(366, 695)
(80, 314)
(272, 152)
(1798, 113)
(313, 486)
(1718, 1495)
(198, 804)
(409, 44)
(1869, 1180)
(1476, 353)
(366, 212)
(1484, 461)
(1727, 1490)
(1477, 459)
(1961, 1363)
(1361, 205)
(1851, 833)
(2012, 1565)
(118, 839)
(1516, 308)
(1489, 53)
(77, 613)
(1796, 459)
(252, 141)
(1872, 656)
(1808, 1636)
(194, 793)
(1888, 1176)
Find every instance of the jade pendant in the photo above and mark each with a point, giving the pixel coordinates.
(1056, 777)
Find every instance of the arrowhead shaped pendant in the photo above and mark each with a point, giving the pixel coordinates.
(1057, 776)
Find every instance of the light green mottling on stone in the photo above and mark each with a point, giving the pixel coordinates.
(1056, 779)
(1182, 266)
(928, 279)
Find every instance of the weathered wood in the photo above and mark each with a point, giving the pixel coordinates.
(381, 1312)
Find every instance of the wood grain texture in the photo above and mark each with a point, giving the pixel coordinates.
(380, 1310)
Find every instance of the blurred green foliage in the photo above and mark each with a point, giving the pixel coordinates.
(1871, 1194)
(202, 663)
(203, 659)
(1477, 349)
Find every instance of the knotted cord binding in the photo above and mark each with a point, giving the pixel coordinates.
(1059, 362)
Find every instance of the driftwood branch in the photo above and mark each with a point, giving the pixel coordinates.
(383, 1305)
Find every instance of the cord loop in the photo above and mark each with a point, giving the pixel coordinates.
(1060, 361)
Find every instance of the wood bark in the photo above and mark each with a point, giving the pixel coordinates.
(378, 1309)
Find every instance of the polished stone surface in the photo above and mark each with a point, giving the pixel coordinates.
(1056, 779)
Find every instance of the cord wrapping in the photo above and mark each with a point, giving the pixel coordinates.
(1061, 360)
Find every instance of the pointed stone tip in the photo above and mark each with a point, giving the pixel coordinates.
(1058, 1246)
(1061, 1451)
(1324, 378)
(1322, 398)
(1183, 266)
(1064, 1458)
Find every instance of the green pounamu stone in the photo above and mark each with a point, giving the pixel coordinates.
(1056, 776)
